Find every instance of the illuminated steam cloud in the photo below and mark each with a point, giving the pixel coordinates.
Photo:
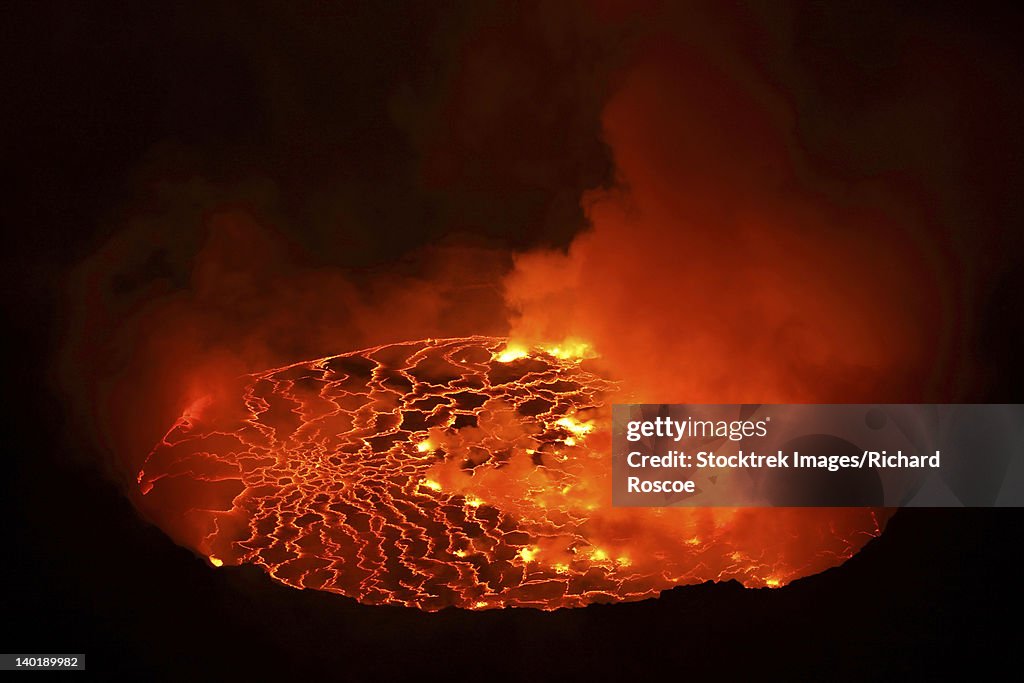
(712, 274)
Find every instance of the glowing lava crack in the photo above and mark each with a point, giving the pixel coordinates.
(453, 472)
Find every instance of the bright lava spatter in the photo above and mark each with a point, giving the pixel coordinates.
(454, 472)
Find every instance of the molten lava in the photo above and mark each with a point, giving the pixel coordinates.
(466, 472)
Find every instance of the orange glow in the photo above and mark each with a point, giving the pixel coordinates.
(433, 473)
(570, 349)
(528, 554)
(574, 426)
(510, 353)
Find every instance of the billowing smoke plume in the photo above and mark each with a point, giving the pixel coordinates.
(717, 270)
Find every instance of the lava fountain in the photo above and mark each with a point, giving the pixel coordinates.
(460, 472)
